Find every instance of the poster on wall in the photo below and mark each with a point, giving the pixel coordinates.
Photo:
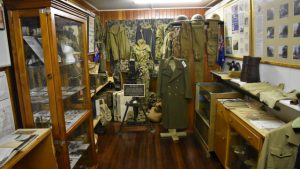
(237, 28)
(91, 34)
(2, 22)
(277, 30)
(235, 19)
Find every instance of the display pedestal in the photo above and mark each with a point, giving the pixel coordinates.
(174, 134)
(137, 105)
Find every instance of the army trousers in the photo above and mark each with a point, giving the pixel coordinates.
(212, 41)
(199, 40)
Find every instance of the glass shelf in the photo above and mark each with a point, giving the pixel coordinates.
(40, 95)
(72, 116)
(79, 146)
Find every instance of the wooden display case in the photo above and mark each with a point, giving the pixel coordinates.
(39, 153)
(205, 111)
(49, 44)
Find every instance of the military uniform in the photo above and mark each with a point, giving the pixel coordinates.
(160, 34)
(145, 31)
(171, 45)
(212, 41)
(141, 53)
(199, 41)
(280, 149)
(174, 88)
(117, 42)
(185, 40)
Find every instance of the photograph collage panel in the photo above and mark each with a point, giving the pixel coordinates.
(281, 27)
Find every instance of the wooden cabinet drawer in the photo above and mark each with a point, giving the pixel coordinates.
(254, 139)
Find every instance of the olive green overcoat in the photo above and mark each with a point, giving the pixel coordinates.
(174, 88)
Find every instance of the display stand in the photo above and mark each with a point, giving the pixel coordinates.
(174, 134)
(136, 91)
(136, 104)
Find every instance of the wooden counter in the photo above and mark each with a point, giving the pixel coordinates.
(236, 118)
(39, 153)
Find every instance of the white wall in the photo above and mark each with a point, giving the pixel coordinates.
(276, 74)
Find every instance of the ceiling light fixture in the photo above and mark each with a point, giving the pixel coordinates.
(165, 1)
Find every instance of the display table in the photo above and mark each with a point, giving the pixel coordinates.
(39, 153)
(236, 124)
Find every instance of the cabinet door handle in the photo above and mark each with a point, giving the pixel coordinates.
(49, 76)
(249, 138)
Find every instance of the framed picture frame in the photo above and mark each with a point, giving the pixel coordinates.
(2, 20)
(276, 32)
(237, 28)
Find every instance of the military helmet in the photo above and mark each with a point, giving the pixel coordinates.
(181, 18)
(197, 17)
(215, 17)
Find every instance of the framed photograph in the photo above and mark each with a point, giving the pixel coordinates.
(228, 45)
(270, 32)
(296, 52)
(235, 45)
(296, 7)
(270, 51)
(296, 29)
(283, 51)
(284, 10)
(2, 21)
(283, 31)
(270, 14)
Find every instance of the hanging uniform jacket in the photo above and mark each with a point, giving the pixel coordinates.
(146, 32)
(117, 42)
(160, 34)
(172, 45)
(141, 53)
(174, 89)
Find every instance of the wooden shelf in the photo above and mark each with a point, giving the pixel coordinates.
(109, 80)
(75, 125)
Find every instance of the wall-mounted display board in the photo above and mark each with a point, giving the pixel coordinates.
(237, 28)
(4, 50)
(277, 31)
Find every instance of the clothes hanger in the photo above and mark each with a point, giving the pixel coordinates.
(296, 123)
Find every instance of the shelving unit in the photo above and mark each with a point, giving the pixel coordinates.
(205, 111)
(49, 44)
(109, 80)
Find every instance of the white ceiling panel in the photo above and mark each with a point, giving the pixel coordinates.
(129, 4)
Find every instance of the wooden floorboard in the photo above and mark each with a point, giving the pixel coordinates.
(146, 150)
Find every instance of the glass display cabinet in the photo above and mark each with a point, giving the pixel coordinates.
(49, 42)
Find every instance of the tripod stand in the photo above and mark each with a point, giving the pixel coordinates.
(136, 104)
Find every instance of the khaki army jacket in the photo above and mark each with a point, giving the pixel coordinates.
(280, 149)
(117, 42)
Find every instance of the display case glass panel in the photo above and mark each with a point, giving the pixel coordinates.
(80, 148)
(35, 67)
(70, 45)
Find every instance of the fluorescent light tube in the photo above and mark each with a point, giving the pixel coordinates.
(165, 1)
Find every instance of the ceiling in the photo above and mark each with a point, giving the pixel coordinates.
(129, 4)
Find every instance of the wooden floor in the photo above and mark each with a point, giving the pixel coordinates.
(146, 150)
